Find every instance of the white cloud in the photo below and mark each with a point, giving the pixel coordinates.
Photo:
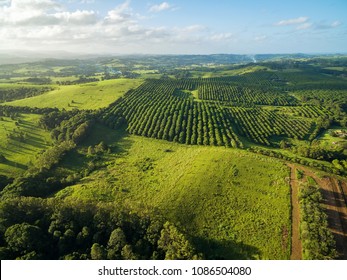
(292, 21)
(221, 37)
(193, 28)
(119, 14)
(160, 7)
(45, 32)
(48, 25)
(304, 26)
(77, 17)
(336, 23)
(25, 12)
(34, 4)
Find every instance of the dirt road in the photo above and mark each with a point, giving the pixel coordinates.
(334, 203)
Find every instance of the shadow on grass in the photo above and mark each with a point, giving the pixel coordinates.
(116, 140)
(225, 249)
(15, 164)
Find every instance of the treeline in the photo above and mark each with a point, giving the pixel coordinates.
(50, 120)
(38, 80)
(80, 80)
(8, 111)
(14, 93)
(271, 153)
(69, 126)
(316, 151)
(33, 183)
(33, 228)
(317, 241)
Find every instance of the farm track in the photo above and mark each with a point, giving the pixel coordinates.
(296, 248)
(334, 203)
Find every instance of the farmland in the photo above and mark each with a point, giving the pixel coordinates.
(208, 154)
(20, 140)
(86, 96)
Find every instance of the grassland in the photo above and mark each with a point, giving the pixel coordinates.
(210, 191)
(85, 96)
(20, 151)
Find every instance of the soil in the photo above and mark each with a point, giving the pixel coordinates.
(334, 203)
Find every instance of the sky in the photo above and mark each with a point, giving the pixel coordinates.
(174, 26)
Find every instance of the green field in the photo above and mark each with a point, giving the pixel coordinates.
(210, 191)
(19, 152)
(85, 96)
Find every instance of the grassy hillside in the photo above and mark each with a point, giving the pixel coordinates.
(84, 96)
(20, 140)
(234, 204)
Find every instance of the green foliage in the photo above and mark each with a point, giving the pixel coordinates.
(175, 244)
(52, 155)
(317, 240)
(49, 229)
(115, 244)
(98, 252)
(9, 92)
(162, 109)
(154, 110)
(53, 119)
(75, 128)
(257, 88)
(299, 174)
(24, 239)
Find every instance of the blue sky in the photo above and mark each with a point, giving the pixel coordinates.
(174, 26)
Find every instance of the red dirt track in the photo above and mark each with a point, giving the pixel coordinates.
(335, 205)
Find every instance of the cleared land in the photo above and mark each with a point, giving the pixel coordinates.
(20, 140)
(210, 191)
(84, 96)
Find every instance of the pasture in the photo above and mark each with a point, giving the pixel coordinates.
(89, 96)
(20, 140)
(210, 191)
